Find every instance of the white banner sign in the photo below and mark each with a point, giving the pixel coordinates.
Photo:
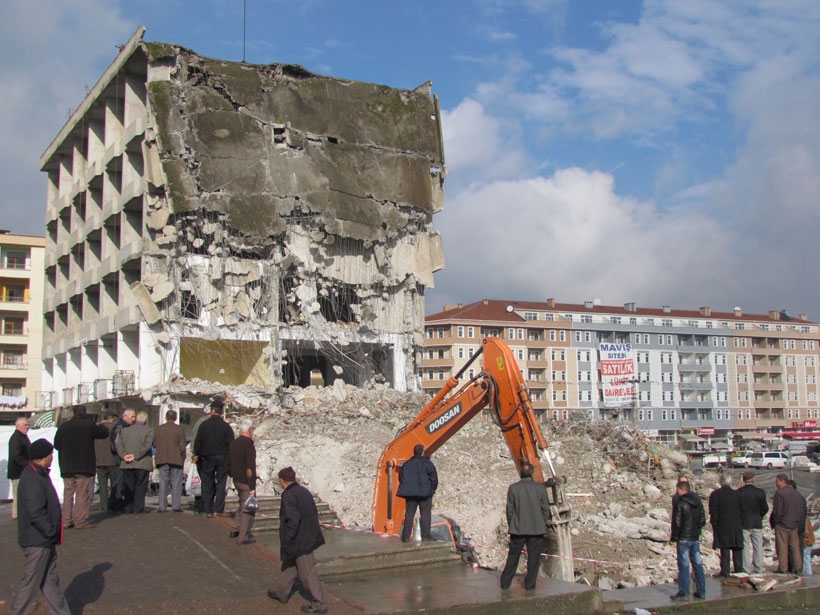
(617, 374)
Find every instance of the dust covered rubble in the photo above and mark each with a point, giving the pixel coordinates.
(619, 491)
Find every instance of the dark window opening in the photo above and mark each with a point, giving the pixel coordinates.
(286, 312)
(190, 306)
(337, 305)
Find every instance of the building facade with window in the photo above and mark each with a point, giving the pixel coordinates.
(202, 225)
(720, 374)
(21, 307)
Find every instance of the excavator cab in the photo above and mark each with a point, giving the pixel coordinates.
(501, 388)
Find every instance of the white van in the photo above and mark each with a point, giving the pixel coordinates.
(769, 459)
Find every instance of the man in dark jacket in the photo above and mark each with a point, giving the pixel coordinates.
(753, 507)
(687, 520)
(39, 530)
(18, 458)
(211, 448)
(242, 468)
(727, 527)
(418, 482)
(299, 536)
(528, 513)
(78, 463)
(106, 470)
(787, 518)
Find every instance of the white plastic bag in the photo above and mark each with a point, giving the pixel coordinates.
(193, 486)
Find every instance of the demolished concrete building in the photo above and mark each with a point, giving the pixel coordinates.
(244, 225)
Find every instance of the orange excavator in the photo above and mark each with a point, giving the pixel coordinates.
(501, 388)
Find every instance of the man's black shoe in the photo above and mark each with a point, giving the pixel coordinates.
(679, 596)
(274, 596)
(309, 608)
(699, 596)
(234, 535)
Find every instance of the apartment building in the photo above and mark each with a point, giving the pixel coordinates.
(21, 309)
(215, 224)
(719, 374)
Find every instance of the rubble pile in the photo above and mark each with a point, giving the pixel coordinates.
(618, 484)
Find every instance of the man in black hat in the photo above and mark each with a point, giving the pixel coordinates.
(299, 536)
(39, 525)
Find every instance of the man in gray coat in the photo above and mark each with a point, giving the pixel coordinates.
(528, 512)
(134, 448)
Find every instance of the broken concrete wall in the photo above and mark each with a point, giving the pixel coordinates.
(291, 209)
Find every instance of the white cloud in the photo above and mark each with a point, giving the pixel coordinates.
(572, 237)
(480, 147)
(50, 51)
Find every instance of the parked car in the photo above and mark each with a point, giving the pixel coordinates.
(769, 459)
(742, 459)
(713, 460)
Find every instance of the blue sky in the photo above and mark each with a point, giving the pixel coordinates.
(661, 152)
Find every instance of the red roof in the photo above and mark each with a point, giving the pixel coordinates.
(496, 310)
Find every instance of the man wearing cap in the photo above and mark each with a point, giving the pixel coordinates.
(78, 463)
(299, 536)
(18, 458)
(39, 531)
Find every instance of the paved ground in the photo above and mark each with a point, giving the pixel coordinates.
(156, 563)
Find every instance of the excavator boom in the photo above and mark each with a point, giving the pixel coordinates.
(500, 387)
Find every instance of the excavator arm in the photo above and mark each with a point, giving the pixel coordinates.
(501, 388)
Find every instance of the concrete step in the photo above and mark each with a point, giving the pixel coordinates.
(266, 522)
(348, 552)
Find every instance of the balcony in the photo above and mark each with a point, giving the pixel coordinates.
(686, 404)
(695, 386)
(694, 367)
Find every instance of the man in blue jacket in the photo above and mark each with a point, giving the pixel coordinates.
(39, 531)
(418, 482)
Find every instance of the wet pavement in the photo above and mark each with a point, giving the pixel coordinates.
(183, 563)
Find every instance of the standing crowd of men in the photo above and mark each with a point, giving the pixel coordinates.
(736, 517)
(121, 454)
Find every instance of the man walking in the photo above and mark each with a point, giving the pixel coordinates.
(242, 468)
(727, 527)
(299, 536)
(78, 463)
(753, 507)
(106, 468)
(787, 519)
(418, 481)
(169, 442)
(528, 513)
(687, 520)
(39, 527)
(134, 447)
(18, 458)
(211, 447)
